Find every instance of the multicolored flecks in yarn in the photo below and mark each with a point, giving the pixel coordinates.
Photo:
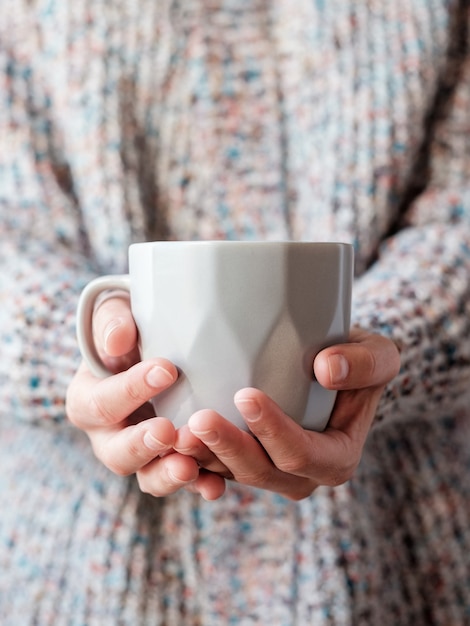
(122, 120)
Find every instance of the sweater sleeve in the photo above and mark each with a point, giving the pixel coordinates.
(418, 290)
(39, 285)
(44, 257)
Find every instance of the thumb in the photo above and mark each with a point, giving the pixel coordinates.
(368, 360)
(115, 332)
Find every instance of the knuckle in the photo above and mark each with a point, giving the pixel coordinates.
(300, 461)
(342, 472)
(228, 454)
(134, 449)
(258, 479)
(106, 456)
(135, 391)
(295, 464)
(123, 458)
(99, 409)
(269, 431)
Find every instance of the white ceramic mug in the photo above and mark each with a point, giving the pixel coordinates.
(231, 315)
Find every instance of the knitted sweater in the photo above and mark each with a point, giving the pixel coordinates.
(126, 120)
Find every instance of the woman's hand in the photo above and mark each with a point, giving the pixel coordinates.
(116, 415)
(127, 437)
(283, 457)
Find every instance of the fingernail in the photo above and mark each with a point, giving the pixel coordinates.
(339, 368)
(109, 330)
(152, 442)
(250, 408)
(158, 377)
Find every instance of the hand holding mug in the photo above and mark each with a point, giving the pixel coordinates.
(286, 458)
(311, 281)
(283, 457)
(116, 414)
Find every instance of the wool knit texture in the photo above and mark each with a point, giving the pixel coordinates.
(132, 120)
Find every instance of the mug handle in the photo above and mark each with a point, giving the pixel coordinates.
(85, 308)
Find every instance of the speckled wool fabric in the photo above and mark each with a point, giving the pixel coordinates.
(126, 120)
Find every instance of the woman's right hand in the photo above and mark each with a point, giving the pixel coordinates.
(116, 414)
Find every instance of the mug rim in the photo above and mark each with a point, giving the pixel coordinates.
(241, 243)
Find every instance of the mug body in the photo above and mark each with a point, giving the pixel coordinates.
(241, 314)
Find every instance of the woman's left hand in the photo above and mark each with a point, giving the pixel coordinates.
(282, 456)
